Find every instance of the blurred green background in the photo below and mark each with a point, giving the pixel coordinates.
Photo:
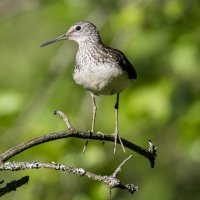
(161, 39)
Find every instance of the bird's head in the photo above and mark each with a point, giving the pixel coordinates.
(80, 32)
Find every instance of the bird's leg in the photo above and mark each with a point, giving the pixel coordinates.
(116, 134)
(94, 116)
(94, 110)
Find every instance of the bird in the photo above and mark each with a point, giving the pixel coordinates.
(98, 68)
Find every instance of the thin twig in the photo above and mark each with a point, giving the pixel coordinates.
(110, 181)
(120, 166)
(64, 117)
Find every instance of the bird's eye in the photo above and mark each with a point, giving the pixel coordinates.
(78, 28)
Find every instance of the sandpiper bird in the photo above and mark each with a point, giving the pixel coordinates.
(98, 68)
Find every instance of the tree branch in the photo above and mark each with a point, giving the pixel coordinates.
(149, 154)
(75, 134)
(110, 180)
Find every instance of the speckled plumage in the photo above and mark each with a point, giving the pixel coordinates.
(98, 68)
(102, 70)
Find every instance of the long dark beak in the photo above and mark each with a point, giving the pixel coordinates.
(62, 37)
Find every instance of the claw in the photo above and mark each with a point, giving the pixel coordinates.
(100, 133)
(116, 135)
(86, 143)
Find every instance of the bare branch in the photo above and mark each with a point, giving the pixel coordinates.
(74, 134)
(111, 181)
(13, 185)
(149, 154)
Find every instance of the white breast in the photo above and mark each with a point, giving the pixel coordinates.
(104, 79)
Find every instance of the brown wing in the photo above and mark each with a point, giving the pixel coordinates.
(117, 56)
(126, 65)
(123, 62)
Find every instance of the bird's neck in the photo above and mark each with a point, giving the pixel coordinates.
(90, 42)
(87, 45)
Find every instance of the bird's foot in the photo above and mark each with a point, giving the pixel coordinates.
(117, 137)
(102, 135)
(86, 143)
(90, 134)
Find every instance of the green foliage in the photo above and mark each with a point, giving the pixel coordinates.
(161, 39)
